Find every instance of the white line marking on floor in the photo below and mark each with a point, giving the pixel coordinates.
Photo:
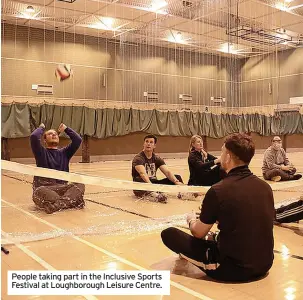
(38, 259)
(121, 259)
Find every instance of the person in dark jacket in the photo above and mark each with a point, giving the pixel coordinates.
(201, 165)
(50, 194)
(243, 206)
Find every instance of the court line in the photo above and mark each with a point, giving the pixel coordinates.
(108, 253)
(148, 217)
(39, 260)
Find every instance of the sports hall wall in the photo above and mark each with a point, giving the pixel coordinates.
(271, 79)
(29, 56)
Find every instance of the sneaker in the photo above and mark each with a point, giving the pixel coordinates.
(188, 196)
(297, 177)
(276, 178)
(161, 198)
(156, 197)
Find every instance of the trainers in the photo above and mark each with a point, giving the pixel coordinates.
(276, 178)
(156, 197)
(188, 196)
(297, 177)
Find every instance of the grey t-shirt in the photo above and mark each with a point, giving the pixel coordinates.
(151, 165)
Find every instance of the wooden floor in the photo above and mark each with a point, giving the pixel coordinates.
(117, 231)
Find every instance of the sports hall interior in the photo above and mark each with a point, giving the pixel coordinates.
(172, 68)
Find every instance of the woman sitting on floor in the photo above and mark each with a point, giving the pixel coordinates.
(200, 164)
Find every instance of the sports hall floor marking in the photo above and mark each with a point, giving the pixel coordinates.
(148, 217)
(39, 260)
(108, 253)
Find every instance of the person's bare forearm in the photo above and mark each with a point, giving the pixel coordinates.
(172, 177)
(145, 177)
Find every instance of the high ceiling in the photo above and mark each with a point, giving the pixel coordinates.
(241, 28)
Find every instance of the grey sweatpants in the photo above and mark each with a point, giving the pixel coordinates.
(60, 196)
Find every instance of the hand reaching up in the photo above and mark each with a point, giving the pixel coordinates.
(62, 127)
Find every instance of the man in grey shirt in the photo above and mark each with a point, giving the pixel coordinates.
(276, 165)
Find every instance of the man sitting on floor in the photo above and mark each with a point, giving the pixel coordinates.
(49, 194)
(276, 165)
(144, 168)
(243, 206)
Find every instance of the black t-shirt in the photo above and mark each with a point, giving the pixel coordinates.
(151, 165)
(243, 205)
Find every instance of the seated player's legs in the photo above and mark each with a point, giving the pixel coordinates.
(156, 196)
(161, 181)
(292, 171)
(44, 194)
(58, 197)
(74, 195)
(166, 180)
(277, 175)
(139, 193)
(291, 212)
(46, 198)
(206, 256)
(202, 253)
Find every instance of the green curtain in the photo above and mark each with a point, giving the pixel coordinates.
(18, 120)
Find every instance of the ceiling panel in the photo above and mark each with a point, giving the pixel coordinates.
(219, 34)
(296, 28)
(195, 27)
(85, 30)
(280, 19)
(202, 25)
(148, 17)
(85, 6)
(252, 9)
(32, 2)
(115, 11)
(171, 21)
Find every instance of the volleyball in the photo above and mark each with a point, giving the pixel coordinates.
(63, 72)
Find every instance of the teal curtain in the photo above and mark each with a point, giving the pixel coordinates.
(18, 120)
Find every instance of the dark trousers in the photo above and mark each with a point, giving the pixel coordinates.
(208, 178)
(205, 255)
(268, 175)
(60, 196)
(155, 181)
(290, 213)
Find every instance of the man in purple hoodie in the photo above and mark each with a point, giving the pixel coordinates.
(50, 194)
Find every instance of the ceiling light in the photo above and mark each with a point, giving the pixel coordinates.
(178, 37)
(282, 6)
(158, 4)
(228, 48)
(108, 22)
(30, 9)
(105, 24)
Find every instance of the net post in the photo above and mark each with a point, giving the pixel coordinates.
(5, 153)
(284, 141)
(204, 139)
(85, 149)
